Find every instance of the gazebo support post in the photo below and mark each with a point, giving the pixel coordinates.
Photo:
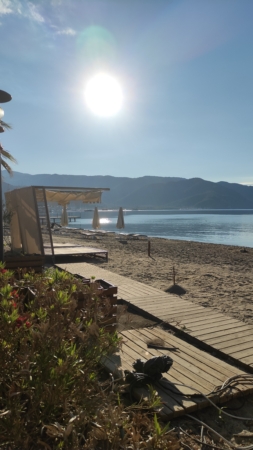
(48, 223)
(1, 215)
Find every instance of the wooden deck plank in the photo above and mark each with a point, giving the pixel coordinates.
(213, 316)
(209, 360)
(195, 356)
(171, 316)
(174, 309)
(160, 298)
(231, 337)
(75, 250)
(182, 372)
(184, 360)
(248, 361)
(245, 341)
(162, 305)
(87, 270)
(129, 292)
(193, 373)
(168, 311)
(210, 325)
(174, 401)
(163, 302)
(203, 335)
(237, 347)
(178, 319)
(198, 320)
(202, 360)
(175, 374)
(222, 333)
(243, 353)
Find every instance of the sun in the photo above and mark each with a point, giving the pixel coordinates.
(103, 95)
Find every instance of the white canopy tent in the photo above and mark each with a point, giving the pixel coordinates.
(25, 206)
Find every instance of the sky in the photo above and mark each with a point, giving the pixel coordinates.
(185, 68)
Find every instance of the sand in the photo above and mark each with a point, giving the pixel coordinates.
(218, 276)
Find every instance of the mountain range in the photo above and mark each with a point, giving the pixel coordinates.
(148, 192)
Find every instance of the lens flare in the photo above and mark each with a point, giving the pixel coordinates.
(96, 45)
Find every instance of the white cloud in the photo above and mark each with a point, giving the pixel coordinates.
(67, 31)
(5, 7)
(34, 14)
(56, 2)
(28, 10)
(24, 8)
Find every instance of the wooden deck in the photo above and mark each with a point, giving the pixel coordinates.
(54, 219)
(67, 250)
(211, 329)
(196, 370)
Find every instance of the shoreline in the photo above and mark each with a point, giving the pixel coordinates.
(214, 275)
(244, 244)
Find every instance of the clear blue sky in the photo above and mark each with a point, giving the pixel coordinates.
(186, 68)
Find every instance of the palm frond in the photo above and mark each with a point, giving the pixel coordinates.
(5, 125)
(7, 167)
(7, 155)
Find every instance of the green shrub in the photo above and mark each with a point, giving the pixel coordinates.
(53, 394)
(49, 353)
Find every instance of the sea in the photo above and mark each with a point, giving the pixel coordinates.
(229, 227)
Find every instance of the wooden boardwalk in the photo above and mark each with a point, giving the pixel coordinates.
(196, 370)
(209, 328)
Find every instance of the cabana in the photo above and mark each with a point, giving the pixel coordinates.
(28, 207)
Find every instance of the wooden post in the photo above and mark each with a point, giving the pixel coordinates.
(174, 275)
(149, 247)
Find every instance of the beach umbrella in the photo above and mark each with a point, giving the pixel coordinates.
(64, 217)
(120, 222)
(4, 97)
(95, 221)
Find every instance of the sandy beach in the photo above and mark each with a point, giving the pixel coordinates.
(217, 276)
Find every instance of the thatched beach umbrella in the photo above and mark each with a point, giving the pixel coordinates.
(64, 216)
(95, 221)
(120, 222)
(4, 97)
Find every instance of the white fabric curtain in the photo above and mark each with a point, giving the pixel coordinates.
(120, 222)
(95, 221)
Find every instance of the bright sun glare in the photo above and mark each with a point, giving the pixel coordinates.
(103, 95)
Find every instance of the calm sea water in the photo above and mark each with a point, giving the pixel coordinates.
(230, 227)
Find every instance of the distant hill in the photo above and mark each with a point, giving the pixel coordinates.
(149, 192)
